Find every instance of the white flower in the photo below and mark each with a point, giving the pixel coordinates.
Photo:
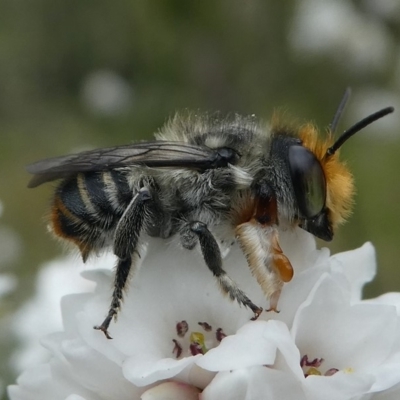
(41, 315)
(325, 343)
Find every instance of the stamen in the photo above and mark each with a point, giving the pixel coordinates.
(182, 328)
(219, 334)
(312, 371)
(331, 371)
(197, 343)
(315, 369)
(207, 327)
(177, 349)
(314, 363)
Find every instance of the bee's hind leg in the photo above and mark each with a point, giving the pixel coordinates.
(126, 238)
(212, 257)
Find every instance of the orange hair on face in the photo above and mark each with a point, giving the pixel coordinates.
(339, 180)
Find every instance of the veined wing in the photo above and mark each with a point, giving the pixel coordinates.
(152, 154)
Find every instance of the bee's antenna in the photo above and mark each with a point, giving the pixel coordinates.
(356, 128)
(339, 112)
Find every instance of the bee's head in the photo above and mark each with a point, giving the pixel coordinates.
(322, 184)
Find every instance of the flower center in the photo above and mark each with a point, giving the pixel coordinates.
(313, 367)
(195, 342)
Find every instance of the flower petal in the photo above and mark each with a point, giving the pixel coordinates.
(359, 266)
(340, 386)
(171, 391)
(254, 383)
(45, 382)
(256, 343)
(345, 336)
(145, 370)
(391, 298)
(391, 394)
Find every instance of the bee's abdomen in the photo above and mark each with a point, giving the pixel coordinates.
(87, 208)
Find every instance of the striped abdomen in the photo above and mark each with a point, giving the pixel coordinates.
(87, 208)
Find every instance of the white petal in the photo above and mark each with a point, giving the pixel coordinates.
(308, 265)
(388, 374)
(359, 266)
(144, 370)
(46, 383)
(252, 384)
(171, 391)
(295, 292)
(253, 344)
(391, 394)
(195, 376)
(92, 370)
(301, 249)
(256, 343)
(345, 336)
(391, 298)
(71, 305)
(340, 386)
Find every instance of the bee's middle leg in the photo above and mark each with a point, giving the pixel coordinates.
(212, 257)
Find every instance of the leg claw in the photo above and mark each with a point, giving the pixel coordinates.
(103, 329)
(257, 313)
(104, 326)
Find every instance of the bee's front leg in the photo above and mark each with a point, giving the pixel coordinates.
(258, 239)
(265, 258)
(126, 239)
(212, 257)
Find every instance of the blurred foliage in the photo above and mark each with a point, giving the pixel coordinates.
(230, 55)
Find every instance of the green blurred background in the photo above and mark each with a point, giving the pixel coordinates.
(87, 74)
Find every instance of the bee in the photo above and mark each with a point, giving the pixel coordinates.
(205, 179)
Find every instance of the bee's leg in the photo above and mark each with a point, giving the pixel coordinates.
(212, 257)
(126, 238)
(258, 239)
(265, 258)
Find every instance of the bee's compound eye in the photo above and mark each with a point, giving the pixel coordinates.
(308, 181)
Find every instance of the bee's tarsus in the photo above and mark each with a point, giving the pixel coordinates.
(257, 312)
(273, 309)
(273, 302)
(105, 324)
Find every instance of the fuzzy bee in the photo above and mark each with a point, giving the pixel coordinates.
(204, 179)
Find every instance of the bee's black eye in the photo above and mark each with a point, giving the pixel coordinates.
(308, 181)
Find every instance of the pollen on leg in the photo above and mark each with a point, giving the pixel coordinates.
(280, 261)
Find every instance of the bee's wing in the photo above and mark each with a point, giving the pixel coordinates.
(151, 154)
